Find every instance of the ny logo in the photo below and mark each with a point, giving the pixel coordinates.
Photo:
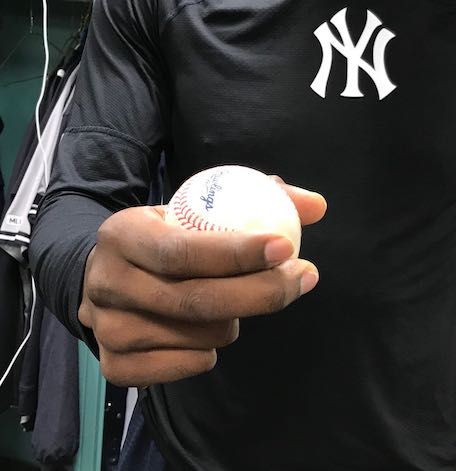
(354, 54)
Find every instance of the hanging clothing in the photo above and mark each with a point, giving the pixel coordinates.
(11, 325)
(31, 365)
(25, 190)
(29, 372)
(15, 229)
(139, 452)
(54, 88)
(10, 321)
(2, 183)
(10, 304)
(46, 381)
(55, 436)
(2, 193)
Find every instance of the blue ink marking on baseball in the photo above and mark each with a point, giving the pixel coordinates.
(212, 187)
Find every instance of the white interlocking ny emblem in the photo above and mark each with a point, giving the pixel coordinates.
(354, 55)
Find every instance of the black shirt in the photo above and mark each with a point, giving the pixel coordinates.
(363, 111)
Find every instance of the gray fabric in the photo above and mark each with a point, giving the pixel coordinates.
(55, 437)
(10, 324)
(15, 229)
(28, 381)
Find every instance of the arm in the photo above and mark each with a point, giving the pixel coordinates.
(153, 307)
(107, 155)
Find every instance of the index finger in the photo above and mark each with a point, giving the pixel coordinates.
(311, 206)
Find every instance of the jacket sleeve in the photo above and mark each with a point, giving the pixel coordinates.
(108, 153)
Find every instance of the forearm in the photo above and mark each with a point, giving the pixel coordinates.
(63, 236)
(108, 154)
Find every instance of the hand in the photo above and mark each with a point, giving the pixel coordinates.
(160, 300)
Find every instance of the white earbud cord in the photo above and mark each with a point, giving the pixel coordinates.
(43, 90)
(46, 178)
(19, 350)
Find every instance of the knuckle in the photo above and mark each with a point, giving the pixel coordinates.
(164, 256)
(158, 297)
(109, 335)
(172, 253)
(103, 329)
(238, 258)
(99, 291)
(117, 334)
(108, 231)
(110, 370)
(175, 254)
(275, 300)
(84, 314)
(194, 303)
(105, 282)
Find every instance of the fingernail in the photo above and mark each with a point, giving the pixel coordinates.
(278, 250)
(309, 279)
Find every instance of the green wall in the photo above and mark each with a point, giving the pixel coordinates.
(20, 82)
(20, 76)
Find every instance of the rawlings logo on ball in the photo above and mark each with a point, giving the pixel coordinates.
(211, 187)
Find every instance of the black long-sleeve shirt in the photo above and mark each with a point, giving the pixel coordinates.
(353, 99)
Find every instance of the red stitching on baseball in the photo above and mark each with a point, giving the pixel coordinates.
(184, 213)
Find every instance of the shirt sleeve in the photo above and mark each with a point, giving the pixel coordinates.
(108, 153)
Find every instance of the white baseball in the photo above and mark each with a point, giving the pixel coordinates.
(235, 198)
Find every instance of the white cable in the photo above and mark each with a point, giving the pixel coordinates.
(46, 177)
(43, 90)
(19, 350)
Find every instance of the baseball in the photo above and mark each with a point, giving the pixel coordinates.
(235, 198)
